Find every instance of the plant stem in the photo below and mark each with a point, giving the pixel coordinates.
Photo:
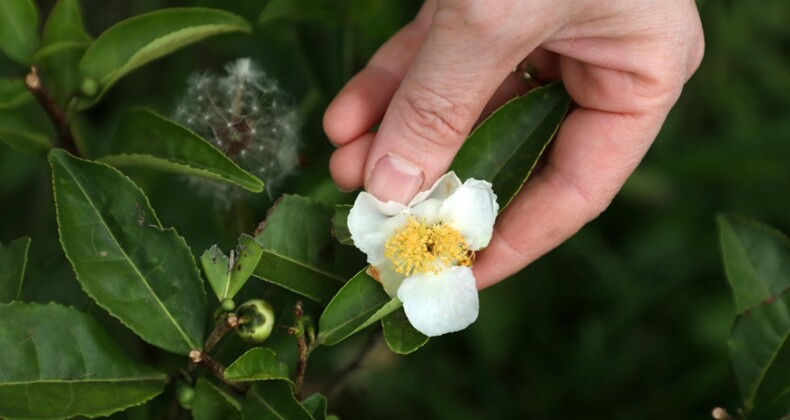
(301, 344)
(230, 322)
(339, 381)
(55, 114)
(200, 358)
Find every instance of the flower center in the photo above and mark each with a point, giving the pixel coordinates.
(419, 248)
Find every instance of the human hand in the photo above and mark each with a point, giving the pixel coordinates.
(624, 63)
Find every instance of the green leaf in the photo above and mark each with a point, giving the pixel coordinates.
(360, 303)
(340, 225)
(316, 406)
(139, 40)
(19, 133)
(273, 400)
(147, 139)
(13, 260)
(65, 41)
(505, 148)
(756, 260)
(13, 93)
(19, 30)
(213, 403)
(139, 272)
(58, 362)
(760, 353)
(257, 364)
(400, 336)
(227, 280)
(297, 242)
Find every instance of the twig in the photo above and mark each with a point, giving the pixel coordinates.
(301, 344)
(200, 358)
(55, 114)
(340, 379)
(230, 322)
(720, 414)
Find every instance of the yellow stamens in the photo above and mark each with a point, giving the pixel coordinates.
(419, 248)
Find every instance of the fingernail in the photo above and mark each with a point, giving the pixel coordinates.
(395, 179)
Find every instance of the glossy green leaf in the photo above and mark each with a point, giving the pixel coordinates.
(13, 261)
(297, 241)
(58, 362)
(756, 260)
(141, 273)
(360, 303)
(19, 133)
(257, 364)
(400, 336)
(315, 405)
(150, 140)
(225, 279)
(760, 353)
(505, 148)
(19, 30)
(13, 93)
(139, 40)
(212, 403)
(64, 42)
(273, 400)
(340, 225)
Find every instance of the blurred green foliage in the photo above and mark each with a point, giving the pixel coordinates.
(628, 319)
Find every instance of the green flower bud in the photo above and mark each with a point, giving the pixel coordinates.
(228, 305)
(89, 88)
(185, 395)
(256, 320)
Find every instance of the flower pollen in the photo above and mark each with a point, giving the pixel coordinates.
(419, 248)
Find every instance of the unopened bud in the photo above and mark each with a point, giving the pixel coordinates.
(185, 395)
(256, 320)
(228, 305)
(89, 88)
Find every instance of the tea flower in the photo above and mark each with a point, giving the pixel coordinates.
(422, 252)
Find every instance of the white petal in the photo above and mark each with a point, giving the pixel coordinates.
(472, 209)
(440, 303)
(389, 278)
(372, 222)
(441, 189)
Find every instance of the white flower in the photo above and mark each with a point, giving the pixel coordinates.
(422, 252)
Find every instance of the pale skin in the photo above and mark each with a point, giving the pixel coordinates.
(624, 63)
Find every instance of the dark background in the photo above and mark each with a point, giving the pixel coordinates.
(628, 319)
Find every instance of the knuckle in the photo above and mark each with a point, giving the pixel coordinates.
(472, 16)
(433, 117)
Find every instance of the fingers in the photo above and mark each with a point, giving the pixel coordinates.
(362, 102)
(457, 70)
(347, 163)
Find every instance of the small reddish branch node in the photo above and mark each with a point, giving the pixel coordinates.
(54, 112)
(198, 357)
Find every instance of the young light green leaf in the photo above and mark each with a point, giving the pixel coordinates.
(505, 148)
(19, 30)
(316, 406)
(273, 400)
(13, 261)
(400, 336)
(257, 364)
(213, 403)
(64, 42)
(139, 40)
(340, 225)
(13, 93)
(297, 240)
(139, 272)
(227, 279)
(756, 260)
(147, 139)
(760, 352)
(58, 362)
(360, 303)
(19, 133)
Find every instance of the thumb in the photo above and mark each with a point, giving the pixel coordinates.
(456, 71)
